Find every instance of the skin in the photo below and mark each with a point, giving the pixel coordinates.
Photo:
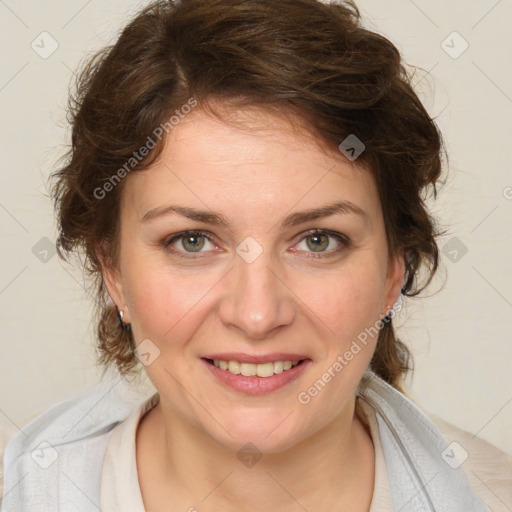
(318, 456)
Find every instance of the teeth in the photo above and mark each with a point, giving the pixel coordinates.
(234, 367)
(253, 370)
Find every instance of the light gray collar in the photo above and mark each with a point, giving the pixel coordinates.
(420, 478)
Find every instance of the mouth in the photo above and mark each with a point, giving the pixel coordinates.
(261, 370)
(255, 379)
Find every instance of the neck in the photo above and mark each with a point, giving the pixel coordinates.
(323, 472)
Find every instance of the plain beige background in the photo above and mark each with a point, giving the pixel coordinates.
(460, 336)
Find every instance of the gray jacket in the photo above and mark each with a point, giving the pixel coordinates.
(54, 463)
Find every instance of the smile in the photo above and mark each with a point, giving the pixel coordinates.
(255, 379)
(254, 370)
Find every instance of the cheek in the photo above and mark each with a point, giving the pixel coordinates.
(161, 303)
(347, 301)
(167, 304)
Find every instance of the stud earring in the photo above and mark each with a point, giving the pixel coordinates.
(397, 306)
(120, 315)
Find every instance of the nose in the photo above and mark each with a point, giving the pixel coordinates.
(256, 299)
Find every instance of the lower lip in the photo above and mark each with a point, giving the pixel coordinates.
(257, 385)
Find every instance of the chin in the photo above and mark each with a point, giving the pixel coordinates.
(256, 443)
(267, 432)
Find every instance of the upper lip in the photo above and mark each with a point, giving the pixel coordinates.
(242, 357)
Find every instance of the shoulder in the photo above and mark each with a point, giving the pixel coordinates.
(67, 439)
(489, 469)
(463, 471)
(4, 436)
(7, 431)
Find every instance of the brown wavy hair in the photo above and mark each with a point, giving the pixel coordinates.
(306, 58)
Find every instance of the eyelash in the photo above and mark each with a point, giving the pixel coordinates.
(342, 239)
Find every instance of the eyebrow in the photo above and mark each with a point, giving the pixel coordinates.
(294, 219)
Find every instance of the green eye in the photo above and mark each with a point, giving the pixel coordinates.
(186, 243)
(317, 241)
(194, 242)
(191, 242)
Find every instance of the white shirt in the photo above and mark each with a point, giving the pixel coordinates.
(120, 490)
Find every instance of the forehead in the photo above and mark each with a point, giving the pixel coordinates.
(257, 161)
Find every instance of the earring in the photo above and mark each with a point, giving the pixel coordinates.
(386, 317)
(397, 306)
(120, 315)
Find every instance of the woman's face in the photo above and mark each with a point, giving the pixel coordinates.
(253, 278)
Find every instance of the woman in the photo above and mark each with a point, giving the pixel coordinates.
(246, 181)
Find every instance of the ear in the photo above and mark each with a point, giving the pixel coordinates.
(395, 280)
(114, 284)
